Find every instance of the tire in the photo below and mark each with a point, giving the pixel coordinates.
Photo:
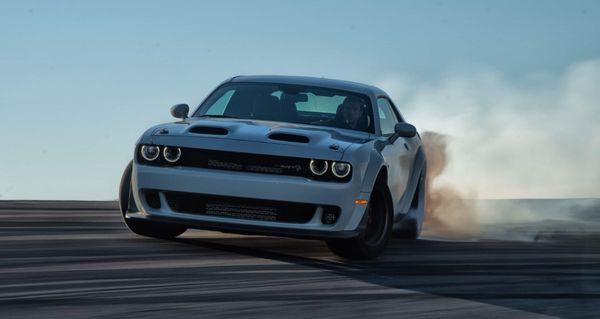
(373, 240)
(143, 227)
(409, 231)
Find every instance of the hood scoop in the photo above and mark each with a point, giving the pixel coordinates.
(209, 130)
(289, 138)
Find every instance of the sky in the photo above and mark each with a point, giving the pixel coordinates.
(514, 84)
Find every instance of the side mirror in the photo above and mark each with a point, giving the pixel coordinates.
(180, 111)
(405, 130)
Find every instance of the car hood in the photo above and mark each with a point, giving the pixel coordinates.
(264, 137)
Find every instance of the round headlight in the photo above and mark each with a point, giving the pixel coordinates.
(340, 170)
(150, 152)
(172, 154)
(318, 167)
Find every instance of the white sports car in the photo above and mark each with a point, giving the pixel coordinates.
(285, 156)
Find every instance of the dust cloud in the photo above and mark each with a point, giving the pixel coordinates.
(511, 136)
(506, 153)
(447, 212)
(454, 212)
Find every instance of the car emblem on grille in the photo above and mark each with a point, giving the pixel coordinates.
(296, 168)
(225, 165)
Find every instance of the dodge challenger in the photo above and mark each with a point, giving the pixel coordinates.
(286, 156)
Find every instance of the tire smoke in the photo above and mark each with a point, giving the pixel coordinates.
(523, 136)
(499, 146)
(447, 211)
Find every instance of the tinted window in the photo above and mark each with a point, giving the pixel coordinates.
(290, 103)
(387, 116)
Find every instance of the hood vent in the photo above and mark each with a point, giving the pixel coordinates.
(289, 137)
(210, 130)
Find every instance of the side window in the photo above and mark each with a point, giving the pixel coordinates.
(387, 116)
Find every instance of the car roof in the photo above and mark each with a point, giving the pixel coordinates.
(310, 81)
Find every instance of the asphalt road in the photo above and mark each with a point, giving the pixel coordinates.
(76, 259)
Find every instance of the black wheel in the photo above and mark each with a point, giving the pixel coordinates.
(372, 241)
(142, 227)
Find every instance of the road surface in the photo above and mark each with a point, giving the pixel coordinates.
(77, 260)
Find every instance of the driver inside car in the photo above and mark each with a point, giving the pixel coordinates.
(351, 114)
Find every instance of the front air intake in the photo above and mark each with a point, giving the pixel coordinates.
(289, 138)
(152, 199)
(209, 130)
(240, 208)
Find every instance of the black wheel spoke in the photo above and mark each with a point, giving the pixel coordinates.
(377, 220)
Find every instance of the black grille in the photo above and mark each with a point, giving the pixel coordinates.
(245, 162)
(241, 208)
(234, 161)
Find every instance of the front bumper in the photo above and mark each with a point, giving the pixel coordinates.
(251, 186)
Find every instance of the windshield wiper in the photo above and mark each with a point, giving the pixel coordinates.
(219, 116)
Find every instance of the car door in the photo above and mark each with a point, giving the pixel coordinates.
(399, 154)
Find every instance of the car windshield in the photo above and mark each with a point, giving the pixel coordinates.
(290, 103)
